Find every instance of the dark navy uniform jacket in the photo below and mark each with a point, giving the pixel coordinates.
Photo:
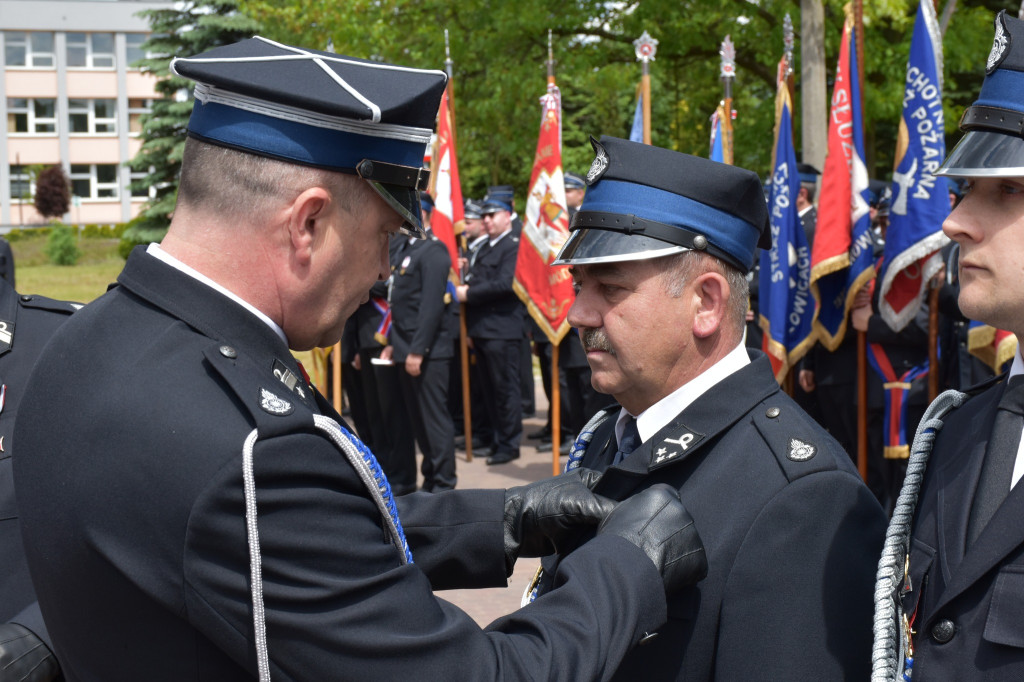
(967, 604)
(26, 324)
(493, 311)
(424, 317)
(130, 478)
(792, 538)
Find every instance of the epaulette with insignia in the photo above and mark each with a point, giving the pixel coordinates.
(794, 438)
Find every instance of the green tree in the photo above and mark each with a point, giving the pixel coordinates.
(499, 52)
(183, 30)
(61, 247)
(53, 196)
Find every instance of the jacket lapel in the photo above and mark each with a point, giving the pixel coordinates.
(1002, 535)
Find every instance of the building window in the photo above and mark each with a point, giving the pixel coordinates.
(92, 116)
(133, 44)
(30, 50)
(31, 116)
(97, 181)
(22, 187)
(136, 109)
(91, 50)
(143, 190)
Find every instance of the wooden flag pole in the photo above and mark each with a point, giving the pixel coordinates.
(862, 339)
(556, 402)
(336, 378)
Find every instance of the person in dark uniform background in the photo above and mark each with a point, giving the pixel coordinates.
(955, 563)
(423, 334)
(791, 532)
(192, 509)
(494, 322)
(505, 195)
(26, 324)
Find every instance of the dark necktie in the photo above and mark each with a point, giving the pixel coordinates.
(629, 442)
(1000, 457)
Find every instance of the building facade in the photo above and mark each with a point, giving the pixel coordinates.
(72, 98)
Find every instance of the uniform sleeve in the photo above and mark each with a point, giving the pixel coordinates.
(339, 604)
(434, 281)
(798, 600)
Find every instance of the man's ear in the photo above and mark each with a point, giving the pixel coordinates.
(711, 296)
(305, 221)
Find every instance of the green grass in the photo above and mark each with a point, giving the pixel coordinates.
(96, 269)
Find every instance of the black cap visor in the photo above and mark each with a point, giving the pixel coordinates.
(400, 187)
(585, 246)
(982, 153)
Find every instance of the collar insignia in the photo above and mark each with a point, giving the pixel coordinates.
(288, 378)
(799, 451)
(6, 335)
(1000, 46)
(273, 404)
(672, 448)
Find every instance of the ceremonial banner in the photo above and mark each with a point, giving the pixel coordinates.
(447, 219)
(994, 347)
(636, 133)
(547, 291)
(786, 306)
(717, 152)
(841, 258)
(920, 200)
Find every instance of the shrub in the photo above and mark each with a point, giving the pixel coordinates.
(61, 247)
(53, 194)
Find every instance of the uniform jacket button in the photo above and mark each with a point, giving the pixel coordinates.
(943, 631)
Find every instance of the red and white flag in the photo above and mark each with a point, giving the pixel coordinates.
(447, 219)
(546, 290)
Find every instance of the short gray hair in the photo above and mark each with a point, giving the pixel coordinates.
(235, 184)
(683, 267)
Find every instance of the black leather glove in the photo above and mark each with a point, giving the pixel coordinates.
(540, 516)
(24, 657)
(656, 521)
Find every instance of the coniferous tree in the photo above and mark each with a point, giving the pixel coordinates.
(183, 30)
(53, 196)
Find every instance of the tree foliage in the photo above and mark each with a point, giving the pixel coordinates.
(182, 30)
(61, 246)
(499, 52)
(53, 194)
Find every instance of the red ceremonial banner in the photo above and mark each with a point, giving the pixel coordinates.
(448, 219)
(546, 291)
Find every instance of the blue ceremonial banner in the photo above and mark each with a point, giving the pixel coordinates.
(920, 200)
(717, 153)
(785, 302)
(637, 132)
(842, 258)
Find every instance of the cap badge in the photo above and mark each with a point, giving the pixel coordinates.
(799, 451)
(1000, 46)
(274, 405)
(600, 164)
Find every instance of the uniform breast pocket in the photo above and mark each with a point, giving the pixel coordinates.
(1003, 624)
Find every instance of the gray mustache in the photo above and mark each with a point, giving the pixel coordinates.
(595, 339)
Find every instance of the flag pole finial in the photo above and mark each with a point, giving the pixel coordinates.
(788, 41)
(646, 47)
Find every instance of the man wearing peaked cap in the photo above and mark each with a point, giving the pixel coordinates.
(954, 560)
(658, 253)
(194, 509)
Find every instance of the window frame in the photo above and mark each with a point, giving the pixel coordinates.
(95, 186)
(92, 121)
(91, 54)
(32, 56)
(33, 120)
(20, 175)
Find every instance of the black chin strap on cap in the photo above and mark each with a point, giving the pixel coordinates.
(394, 174)
(630, 224)
(994, 119)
